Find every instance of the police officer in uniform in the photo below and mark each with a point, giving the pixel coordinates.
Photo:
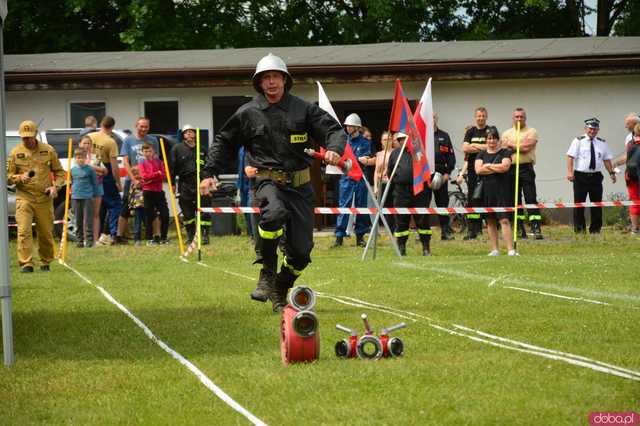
(445, 160)
(402, 190)
(31, 167)
(585, 158)
(275, 127)
(182, 163)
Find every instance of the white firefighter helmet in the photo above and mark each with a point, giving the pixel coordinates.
(400, 135)
(271, 62)
(187, 127)
(436, 181)
(353, 119)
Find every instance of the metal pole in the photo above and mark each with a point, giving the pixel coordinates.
(384, 198)
(5, 278)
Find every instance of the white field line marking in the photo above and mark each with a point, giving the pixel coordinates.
(373, 305)
(559, 296)
(235, 274)
(568, 360)
(177, 356)
(498, 279)
(551, 351)
(358, 305)
(516, 281)
(513, 345)
(322, 284)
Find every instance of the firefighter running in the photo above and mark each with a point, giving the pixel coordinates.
(275, 127)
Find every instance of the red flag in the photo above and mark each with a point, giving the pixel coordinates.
(402, 120)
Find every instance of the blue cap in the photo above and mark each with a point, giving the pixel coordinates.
(594, 123)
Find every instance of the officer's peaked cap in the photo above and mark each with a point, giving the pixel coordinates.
(271, 62)
(594, 123)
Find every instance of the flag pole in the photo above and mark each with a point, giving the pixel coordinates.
(65, 227)
(176, 219)
(198, 214)
(516, 191)
(384, 198)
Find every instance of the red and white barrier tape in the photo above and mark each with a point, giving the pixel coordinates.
(431, 210)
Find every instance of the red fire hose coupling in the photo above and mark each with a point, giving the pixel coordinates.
(299, 336)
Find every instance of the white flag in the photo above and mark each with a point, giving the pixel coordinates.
(325, 104)
(424, 121)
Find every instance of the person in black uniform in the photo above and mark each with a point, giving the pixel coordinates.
(475, 139)
(182, 164)
(275, 127)
(445, 162)
(402, 190)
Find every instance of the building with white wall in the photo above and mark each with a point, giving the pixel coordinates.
(560, 82)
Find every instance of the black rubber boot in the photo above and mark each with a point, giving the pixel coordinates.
(265, 286)
(447, 233)
(522, 230)
(205, 235)
(426, 242)
(536, 229)
(402, 245)
(283, 282)
(338, 242)
(360, 241)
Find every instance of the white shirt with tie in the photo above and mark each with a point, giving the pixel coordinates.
(580, 151)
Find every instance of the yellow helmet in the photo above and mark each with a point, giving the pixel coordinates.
(28, 129)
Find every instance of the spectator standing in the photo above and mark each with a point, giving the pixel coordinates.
(632, 177)
(354, 192)
(83, 190)
(136, 205)
(182, 163)
(402, 186)
(106, 151)
(245, 178)
(98, 167)
(445, 162)
(630, 122)
(380, 178)
(492, 166)
(153, 174)
(131, 152)
(90, 125)
(585, 158)
(475, 142)
(527, 176)
(30, 168)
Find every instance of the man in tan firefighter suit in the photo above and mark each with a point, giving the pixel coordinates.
(35, 170)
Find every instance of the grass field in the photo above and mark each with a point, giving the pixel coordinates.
(80, 360)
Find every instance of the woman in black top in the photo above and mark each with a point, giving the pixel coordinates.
(492, 166)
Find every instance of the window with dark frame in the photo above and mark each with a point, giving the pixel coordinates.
(78, 111)
(163, 115)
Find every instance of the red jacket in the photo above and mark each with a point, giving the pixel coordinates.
(153, 174)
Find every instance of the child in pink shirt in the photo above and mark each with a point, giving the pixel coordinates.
(153, 175)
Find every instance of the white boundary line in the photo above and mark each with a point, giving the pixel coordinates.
(559, 296)
(508, 280)
(177, 356)
(502, 342)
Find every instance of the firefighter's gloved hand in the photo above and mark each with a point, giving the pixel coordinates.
(331, 157)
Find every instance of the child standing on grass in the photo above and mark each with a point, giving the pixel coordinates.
(153, 174)
(84, 188)
(136, 205)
